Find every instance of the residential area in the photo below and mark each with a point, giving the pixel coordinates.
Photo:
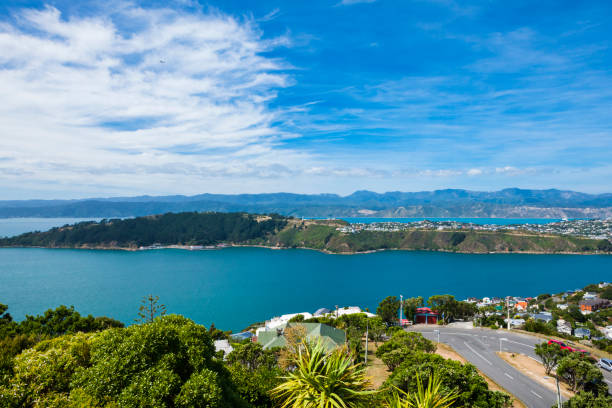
(509, 342)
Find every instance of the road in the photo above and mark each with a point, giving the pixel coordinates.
(478, 346)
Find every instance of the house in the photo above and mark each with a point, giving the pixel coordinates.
(223, 345)
(544, 316)
(562, 306)
(589, 295)
(425, 315)
(321, 312)
(608, 332)
(330, 336)
(564, 327)
(521, 305)
(604, 285)
(515, 322)
(592, 305)
(582, 332)
(241, 336)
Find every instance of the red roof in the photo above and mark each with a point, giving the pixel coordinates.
(424, 310)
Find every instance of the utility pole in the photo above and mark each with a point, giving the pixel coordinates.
(508, 309)
(367, 335)
(559, 401)
(336, 311)
(401, 308)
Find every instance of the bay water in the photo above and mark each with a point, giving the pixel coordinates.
(234, 287)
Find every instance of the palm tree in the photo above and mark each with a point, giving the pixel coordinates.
(430, 397)
(323, 379)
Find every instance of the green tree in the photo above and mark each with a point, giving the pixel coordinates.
(409, 342)
(588, 400)
(166, 363)
(550, 354)
(377, 329)
(431, 397)
(411, 305)
(388, 310)
(149, 309)
(252, 356)
(580, 374)
(446, 305)
(324, 379)
(607, 293)
(463, 379)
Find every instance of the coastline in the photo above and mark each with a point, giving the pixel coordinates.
(324, 251)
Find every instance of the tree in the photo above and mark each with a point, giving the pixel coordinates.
(168, 362)
(149, 309)
(445, 305)
(294, 336)
(388, 310)
(464, 379)
(323, 379)
(431, 397)
(409, 342)
(580, 374)
(252, 356)
(607, 293)
(411, 305)
(376, 329)
(550, 354)
(588, 400)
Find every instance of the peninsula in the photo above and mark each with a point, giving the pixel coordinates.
(209, 230)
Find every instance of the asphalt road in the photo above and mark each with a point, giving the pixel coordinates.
(478, 346)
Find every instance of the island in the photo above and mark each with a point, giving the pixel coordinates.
(207, 230)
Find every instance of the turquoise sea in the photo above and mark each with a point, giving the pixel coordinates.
(234, 287)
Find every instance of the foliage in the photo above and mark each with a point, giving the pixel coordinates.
(585, 399)
(323, 379)
(188, 228)
(149, 309)
(167, 363)
(377, 329)
(62, 320)
(450, 308)
(388, 310)
(252, 356)
(430, 397)
(411, 305)
(403, 343)
(294, 336)
(538, 326)
(463, 379)
(607, 293)
(580, 374)
(550, 354)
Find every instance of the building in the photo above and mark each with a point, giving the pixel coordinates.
(604, 285)
(582, 333)
(425, 315)
(564, 327)
(543, 316)
(241, 336)
(330, 336)
(589, 295)
(521, 305)
(515, 322)
(592, 305)
(562, 306)
(223, 345)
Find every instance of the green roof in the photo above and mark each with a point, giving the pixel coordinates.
(330, 336)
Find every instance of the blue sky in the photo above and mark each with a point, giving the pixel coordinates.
(126, 98)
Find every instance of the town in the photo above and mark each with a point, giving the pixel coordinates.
(594, 229)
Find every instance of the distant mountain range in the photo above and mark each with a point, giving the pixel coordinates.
(507, 203)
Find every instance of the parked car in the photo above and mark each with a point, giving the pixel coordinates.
(605, 363)
(562, 345)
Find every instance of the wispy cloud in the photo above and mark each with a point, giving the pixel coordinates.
(351, 2)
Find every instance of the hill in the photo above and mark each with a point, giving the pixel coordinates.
(284, 232)
(508, 203)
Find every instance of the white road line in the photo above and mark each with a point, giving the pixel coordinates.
(536, 394)
(534, 359)
(477, 353)
(522, 344)
(509, 376)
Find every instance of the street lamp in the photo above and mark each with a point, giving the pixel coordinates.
(500, 343)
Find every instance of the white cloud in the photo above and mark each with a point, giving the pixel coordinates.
(351, 2)
(86, 102)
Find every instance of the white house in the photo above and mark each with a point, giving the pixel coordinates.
(564, 327)
(223, 345)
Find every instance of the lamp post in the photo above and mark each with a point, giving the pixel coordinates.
(401, 308)
(500, 343)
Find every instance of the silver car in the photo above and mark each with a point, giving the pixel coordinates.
(605, 363)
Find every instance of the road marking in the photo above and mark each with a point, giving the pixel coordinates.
(477, 353)
(509, 376)
(534, 359)
(522, 344)
(609, 382)
(536, 394)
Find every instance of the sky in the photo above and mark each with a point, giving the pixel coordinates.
(120, 98)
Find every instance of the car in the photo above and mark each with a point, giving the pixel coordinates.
(562, 345)
(605, 363)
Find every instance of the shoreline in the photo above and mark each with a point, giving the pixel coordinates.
(324, 251)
